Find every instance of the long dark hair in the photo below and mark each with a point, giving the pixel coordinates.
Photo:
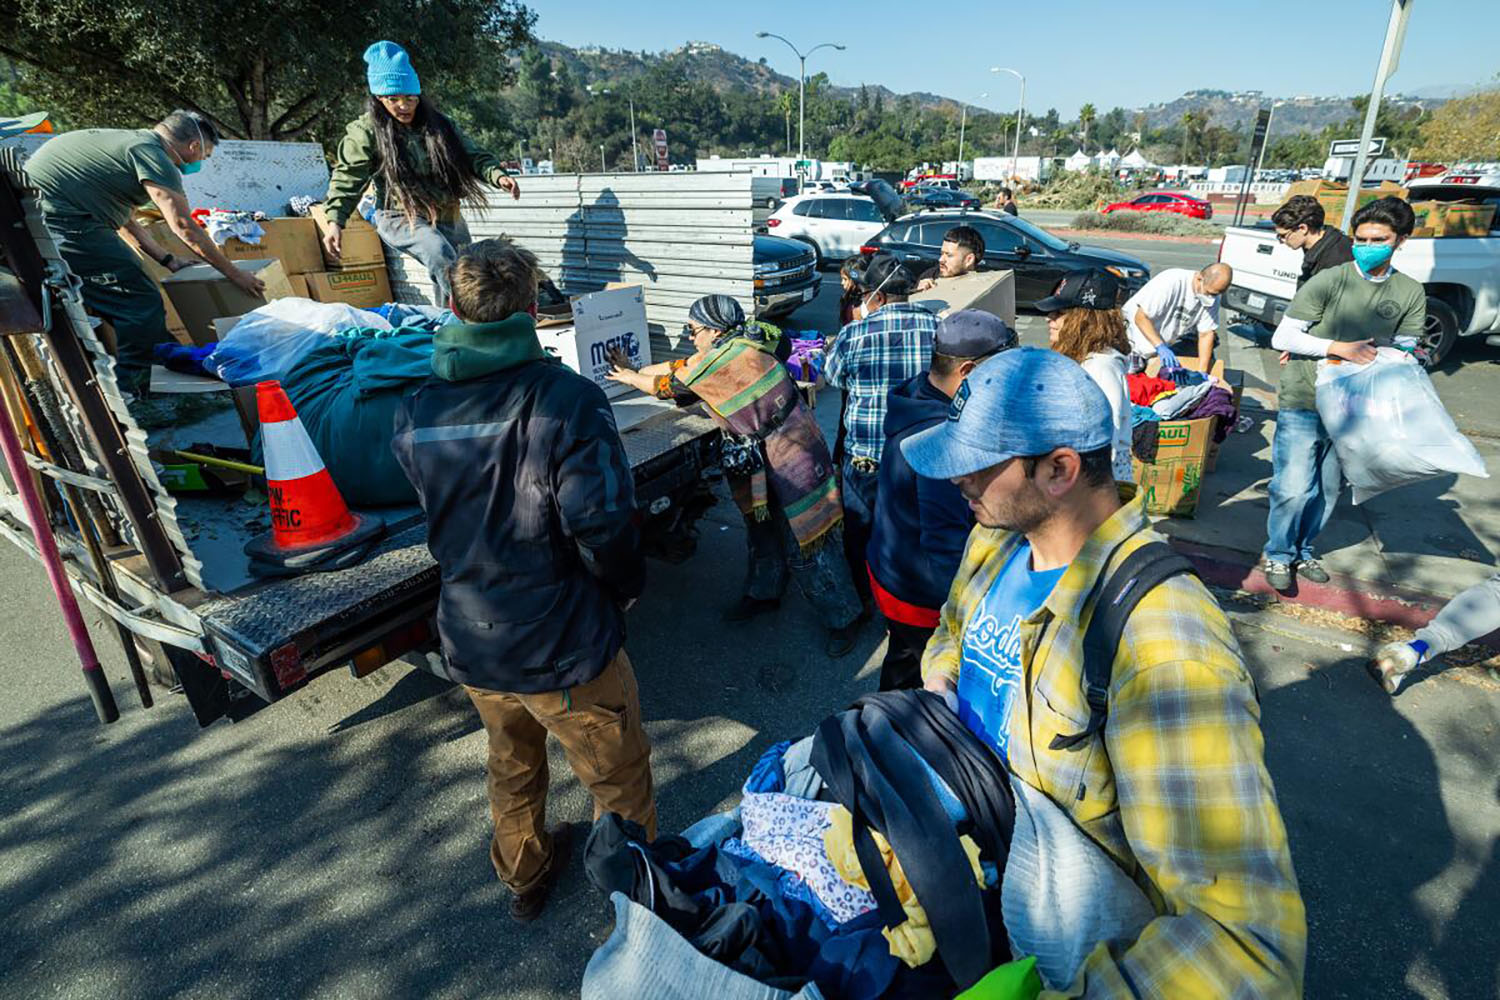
(450, 174)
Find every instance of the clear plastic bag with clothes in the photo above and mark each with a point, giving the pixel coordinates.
(1388, 426)
(266, 342)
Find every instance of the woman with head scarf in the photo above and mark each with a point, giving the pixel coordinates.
(423, 168)
(775, 459)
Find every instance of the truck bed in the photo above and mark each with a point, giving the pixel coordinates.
(272, 633)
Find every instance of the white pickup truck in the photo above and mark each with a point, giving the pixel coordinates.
(1461, 274)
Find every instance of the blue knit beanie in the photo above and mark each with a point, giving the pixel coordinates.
(390, 71)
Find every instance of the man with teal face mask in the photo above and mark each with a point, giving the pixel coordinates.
(1342, 312)
(91, 180)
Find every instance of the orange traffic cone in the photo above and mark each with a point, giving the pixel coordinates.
(312, 529)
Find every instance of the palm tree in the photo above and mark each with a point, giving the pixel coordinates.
(1194, 124)
(786, 103)
(1086, 116)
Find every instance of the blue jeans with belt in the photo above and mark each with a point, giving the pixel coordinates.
(1305, 480)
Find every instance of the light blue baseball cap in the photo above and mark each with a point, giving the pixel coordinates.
(1026, 401)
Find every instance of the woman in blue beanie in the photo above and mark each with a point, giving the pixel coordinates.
(422, 165)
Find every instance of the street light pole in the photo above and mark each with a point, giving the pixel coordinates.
(1015, 157)
(602, 167)
(635, 146)
(801, 91)
(963, 118)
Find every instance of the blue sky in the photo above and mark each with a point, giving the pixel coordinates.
(1071, 51)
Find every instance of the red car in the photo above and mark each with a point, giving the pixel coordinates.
(1164, 201)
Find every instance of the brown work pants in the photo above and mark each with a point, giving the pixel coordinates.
(599, 727)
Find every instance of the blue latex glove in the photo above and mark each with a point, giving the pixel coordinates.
(1168, 356)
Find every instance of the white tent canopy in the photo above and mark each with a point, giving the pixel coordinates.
(1078, 161)
(1110, 158)
(1135, 161)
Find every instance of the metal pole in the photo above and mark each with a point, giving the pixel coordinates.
(635, 146)
(962, 118)
(602, 167)
(1015, 160)
(46, 545)
(801, 112)
(1390, 56)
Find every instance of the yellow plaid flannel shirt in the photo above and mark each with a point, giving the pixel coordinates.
(1175, 786)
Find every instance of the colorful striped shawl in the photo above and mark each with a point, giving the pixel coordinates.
(750, 394)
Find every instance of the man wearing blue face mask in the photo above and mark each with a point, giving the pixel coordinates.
(91, 180)
(1343, 312)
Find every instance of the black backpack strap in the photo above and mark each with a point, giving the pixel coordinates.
(1115, 596)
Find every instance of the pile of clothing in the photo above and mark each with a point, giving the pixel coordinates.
(1176, 394)
(865, 861)
(807, 358)
(224, 224)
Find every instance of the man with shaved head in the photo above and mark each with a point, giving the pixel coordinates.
(1162, 317)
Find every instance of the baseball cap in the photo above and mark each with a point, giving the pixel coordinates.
(1088, 288)
(971, 333)
(885, 272)
(1027, 401)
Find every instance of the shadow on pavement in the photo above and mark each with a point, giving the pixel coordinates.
(1358, 787)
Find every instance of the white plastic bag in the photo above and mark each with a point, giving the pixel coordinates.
(1388, 426)
(266, 342)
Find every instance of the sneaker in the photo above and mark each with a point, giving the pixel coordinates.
(1311, 569)
(527, 906)
(1392, 662)
(748, 607)
(840, 641)
(1277, 574)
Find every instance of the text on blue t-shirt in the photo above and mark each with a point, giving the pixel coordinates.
(989, 674)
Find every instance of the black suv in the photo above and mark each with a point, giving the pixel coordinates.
(1036, 257)
(786, 276)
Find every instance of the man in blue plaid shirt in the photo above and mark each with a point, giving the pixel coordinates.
(889, 341)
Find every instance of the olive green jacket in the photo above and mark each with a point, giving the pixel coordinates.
(358, 165)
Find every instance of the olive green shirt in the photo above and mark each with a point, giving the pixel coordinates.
(358, 164)
(1342, 304)
(100, 173)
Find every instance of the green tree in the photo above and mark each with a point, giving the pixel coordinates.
(259, 69)
(1086, 116)
(1466, 128)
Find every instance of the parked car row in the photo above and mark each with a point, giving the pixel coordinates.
(831, 226)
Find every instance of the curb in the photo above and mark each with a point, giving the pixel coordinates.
(1236, 570)
(1117, 234)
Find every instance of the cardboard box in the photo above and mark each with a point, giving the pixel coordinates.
(366, 289)
(162, 235)
(1185, 454)
(1442, 219)
(988, 291)
(1333, 196)
(613, 318)
(294, 242)
(202, 295)
(298, 285)
(361, 244)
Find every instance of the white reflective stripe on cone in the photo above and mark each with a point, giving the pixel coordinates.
(289, 451)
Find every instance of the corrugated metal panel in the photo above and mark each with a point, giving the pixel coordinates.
(681, 236)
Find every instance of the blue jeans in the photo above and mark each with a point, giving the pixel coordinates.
(858, 492)
(1305, 479)
(435, 246)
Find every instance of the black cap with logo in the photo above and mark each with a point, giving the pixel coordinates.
(1088, 288)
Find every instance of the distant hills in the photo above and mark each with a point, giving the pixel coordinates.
(724, 71)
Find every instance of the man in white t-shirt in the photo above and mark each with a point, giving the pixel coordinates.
(1170, 307)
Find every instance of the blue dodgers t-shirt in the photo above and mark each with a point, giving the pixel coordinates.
(989, 674)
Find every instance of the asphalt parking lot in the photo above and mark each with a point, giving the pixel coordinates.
(334, 845)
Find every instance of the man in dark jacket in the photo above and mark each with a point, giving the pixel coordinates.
(1300, 225)
(921, 524)
(530, 505)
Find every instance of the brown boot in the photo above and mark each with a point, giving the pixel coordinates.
(527, 906)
